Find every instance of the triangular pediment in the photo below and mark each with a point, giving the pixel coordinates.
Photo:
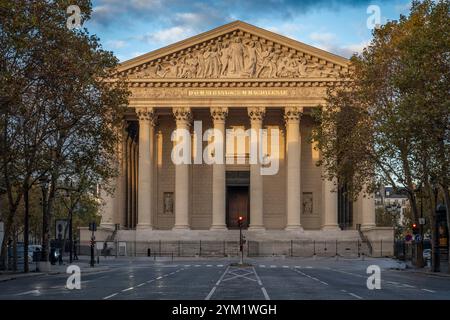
(235, 51)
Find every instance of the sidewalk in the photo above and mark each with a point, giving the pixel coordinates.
(427, 270)
(83, 263)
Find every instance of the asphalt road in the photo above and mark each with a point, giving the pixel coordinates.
(216, 279)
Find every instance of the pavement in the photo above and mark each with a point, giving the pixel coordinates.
(271, 278)
(83, 263)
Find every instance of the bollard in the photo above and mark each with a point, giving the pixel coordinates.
(336, 248)
(149, 252)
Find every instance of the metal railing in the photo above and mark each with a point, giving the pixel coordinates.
(288, 248)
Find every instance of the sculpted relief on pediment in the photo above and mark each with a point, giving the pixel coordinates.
(236, 56)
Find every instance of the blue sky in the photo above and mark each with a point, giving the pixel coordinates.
(134, 27)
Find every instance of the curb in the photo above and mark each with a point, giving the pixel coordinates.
(33, 274)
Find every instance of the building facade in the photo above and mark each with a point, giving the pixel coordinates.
(233, 78)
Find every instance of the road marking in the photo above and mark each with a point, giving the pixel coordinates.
(265, 293)
(140, 285)
(197, 265)
(428, 290)
(150, 281)
(128, 289)
(311, 277)
(285, 267)
(217, 283)
(209, 265)
(187, 265)
(408, 286)
(28, 292)
(355, 295)
(262, 266)
(110, 296)
(273, 266)
(308, 267)
(159, 278)
(220, 265)
(211, 293)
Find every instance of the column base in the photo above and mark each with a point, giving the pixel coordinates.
(144, 226)
(220, 227)
(294, 228)
(256, 228)
(181, 227)
(107, 225)
(330, 227)
(368, 226)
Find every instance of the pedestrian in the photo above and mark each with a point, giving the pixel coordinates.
(75, 256)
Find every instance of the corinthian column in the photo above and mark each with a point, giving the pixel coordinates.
(293, 146)
(147, 120)
(329, 203)
(256, 115)
(219, 115)
(183, 119)
(368, 211)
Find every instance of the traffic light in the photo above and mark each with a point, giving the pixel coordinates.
(240, 221)
(415, 229)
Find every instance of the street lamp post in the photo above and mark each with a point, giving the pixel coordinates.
(44, 181)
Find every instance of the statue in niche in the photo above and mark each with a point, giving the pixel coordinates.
(307, 203)
(168, 202)
(236, 63)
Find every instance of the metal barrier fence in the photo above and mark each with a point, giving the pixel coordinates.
(292, 248)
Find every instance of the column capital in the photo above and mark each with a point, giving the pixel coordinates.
(256, 113)
(182, 115)
(147, 114)
(292, 114)
(219, 113)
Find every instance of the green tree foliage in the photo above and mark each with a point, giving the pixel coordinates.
(59, 112)
(390, 121)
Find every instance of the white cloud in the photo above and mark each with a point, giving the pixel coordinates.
(323, 37)
(166, 36)
(116, 44)
(288, 29)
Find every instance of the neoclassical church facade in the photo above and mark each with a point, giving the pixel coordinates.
(233, 78)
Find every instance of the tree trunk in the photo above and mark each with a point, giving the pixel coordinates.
(26, 228)
(14, 266)
(46, 218)
(447, 208)
(4, 250)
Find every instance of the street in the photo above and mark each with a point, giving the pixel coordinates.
(219, 279)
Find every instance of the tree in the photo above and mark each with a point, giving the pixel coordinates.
(391, 118)
(56, 103)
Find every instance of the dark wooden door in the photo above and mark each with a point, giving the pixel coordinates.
(237, 205)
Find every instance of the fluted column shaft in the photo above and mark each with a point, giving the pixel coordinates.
(147, 121)
(256, 115)
(329, 202)
(219, 115)
(183, 118)
(293, 185)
